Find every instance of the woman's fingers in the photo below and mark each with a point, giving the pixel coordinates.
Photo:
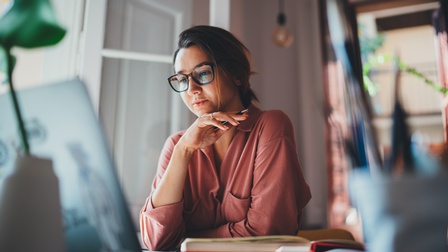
(223, 120)
(210, 119)
(229, 117)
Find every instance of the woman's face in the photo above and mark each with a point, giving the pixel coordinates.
(202, 99)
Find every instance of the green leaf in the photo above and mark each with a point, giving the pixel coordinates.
(27, 24)
(30, 24)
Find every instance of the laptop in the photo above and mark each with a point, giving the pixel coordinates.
(61, 125)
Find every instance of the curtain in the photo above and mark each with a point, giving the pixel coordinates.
(441, 44)
(351, 142)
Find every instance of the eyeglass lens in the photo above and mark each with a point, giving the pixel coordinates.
(201, 75)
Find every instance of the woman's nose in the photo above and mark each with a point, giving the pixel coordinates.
(193, 87)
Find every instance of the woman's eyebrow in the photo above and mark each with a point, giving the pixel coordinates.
(200, 64)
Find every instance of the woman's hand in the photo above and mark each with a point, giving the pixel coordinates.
(208, 128)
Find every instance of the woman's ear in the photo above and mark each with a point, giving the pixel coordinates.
(237, 82)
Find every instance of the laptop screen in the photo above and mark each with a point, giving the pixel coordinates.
(61, 125)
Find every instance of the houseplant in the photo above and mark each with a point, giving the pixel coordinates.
(32, 186)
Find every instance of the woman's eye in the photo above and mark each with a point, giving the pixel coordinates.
(182, 80)
(204, 73)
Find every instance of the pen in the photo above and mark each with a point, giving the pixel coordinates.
(238, 113)
(242, 112)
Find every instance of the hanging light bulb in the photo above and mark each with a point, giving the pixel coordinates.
(281, 35)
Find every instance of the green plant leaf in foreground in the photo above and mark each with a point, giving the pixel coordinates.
(27, 24)
(30, 24)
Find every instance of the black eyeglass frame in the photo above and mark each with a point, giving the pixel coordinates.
(211, 65)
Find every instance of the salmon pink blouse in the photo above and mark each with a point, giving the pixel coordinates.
(258, 190)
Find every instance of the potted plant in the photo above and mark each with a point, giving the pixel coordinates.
(32, 187)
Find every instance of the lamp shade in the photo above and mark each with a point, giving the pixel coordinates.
(30, 24)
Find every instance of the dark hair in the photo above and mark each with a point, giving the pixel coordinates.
(226, 52)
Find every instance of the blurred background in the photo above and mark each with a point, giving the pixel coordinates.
(123, 50)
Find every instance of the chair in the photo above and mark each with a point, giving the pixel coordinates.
(326, 233)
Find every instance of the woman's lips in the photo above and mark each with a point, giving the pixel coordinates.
(199, 103)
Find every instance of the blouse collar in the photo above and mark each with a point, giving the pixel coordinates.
(254, 113)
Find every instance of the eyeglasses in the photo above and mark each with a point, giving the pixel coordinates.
(202, 75)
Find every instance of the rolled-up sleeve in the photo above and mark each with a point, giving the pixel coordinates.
(162, 228)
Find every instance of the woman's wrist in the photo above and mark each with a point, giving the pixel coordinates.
(185, 149)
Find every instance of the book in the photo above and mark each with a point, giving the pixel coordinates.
(293, 249)
(257, 243)
(330, 244)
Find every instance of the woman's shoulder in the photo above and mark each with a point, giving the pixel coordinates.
(275, 122)
(174, 138)
(274, 115)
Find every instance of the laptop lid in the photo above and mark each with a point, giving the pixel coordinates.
(61, 125)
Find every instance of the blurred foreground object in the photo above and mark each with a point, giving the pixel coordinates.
(404, 207)
(30, 209)
(30, 24)
(30, 213)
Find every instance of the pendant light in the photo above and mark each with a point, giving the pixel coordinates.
(281, 35)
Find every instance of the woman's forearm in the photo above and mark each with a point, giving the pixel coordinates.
(171, 186)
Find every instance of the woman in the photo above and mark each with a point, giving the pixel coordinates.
(233, 172)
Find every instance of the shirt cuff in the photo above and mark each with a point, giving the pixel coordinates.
(163, 212)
